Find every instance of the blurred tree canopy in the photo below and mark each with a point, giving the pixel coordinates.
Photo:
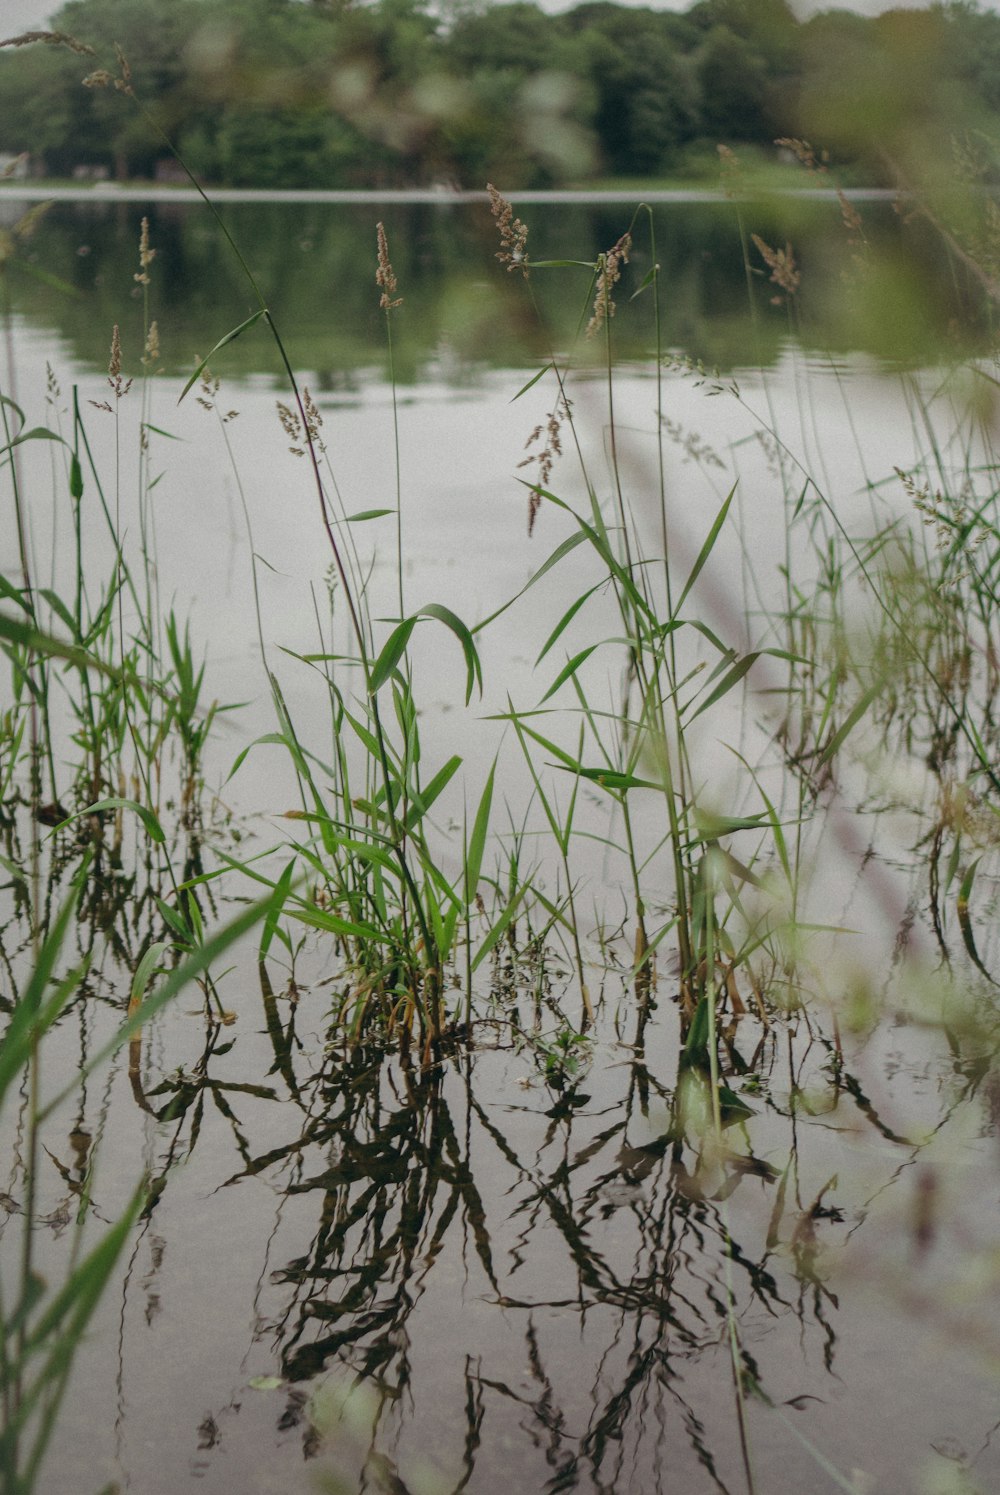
(370, 93)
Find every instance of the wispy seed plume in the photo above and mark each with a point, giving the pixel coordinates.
(609, 273)
(385, 277)
(513, 251)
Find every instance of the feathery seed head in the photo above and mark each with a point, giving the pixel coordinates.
(385, 277)
(146, 255)
(731, 171)
(124, 83)
(314, 420)
(120, 386)
(804, 153)
(547, 456)
(513, 251)
(52, 39)
(292, 426)
(781, 263)
(609, 273)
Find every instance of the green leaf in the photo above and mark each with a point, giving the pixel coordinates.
(561, 550)
(611, 778)
(46, 278)
(848, 724)
(15, 594)
(532, 381)
(730, 678)
(563, 265)
(965, 923)
(732, 1107)
(37, 433)
(647, 280)
(498, 929)
(566, 619)
(711, 827)
(152, 826)
(175, 921)
(569, 668)
(477, 841)
(144, 970)
(13, 405)
(706, 549)
(229, 338)
(421, 801)
(181, 976)
(59, 607)
(273, 914)
(16, 632)
(695, 1054)
(474, 672)
(31, 1018)
(392, 652)
(319, 918)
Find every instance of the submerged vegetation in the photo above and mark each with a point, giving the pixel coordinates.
(633, 910)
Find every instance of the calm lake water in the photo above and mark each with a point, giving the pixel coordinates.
(358, 1274)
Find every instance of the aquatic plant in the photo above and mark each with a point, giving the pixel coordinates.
(445, 946)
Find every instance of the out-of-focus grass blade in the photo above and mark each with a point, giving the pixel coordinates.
(531, 382)
(848, 724)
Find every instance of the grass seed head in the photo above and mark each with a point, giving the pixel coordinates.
(804, 153)
(513, 251)
(781, 263)
(545, 459)
(146, 255)
(52, 39)
(152, 351)
(120, 386)
(731, 171)
(292, 427)
(609, 273)
(385, 277)
(314, 420)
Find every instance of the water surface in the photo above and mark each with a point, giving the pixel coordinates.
(357, 1273)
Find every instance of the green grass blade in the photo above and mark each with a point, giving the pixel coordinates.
(473, 667)
(848, 724)
(477, 841)
(422, 801)
(706, 549)
(570, 668)
(229, 338)
(730, 678)
(392, 652)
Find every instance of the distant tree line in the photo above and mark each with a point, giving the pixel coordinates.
(342, 93)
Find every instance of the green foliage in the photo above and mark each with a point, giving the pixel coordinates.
(279, 93)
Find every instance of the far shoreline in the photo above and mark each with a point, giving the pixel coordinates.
(112, 192)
